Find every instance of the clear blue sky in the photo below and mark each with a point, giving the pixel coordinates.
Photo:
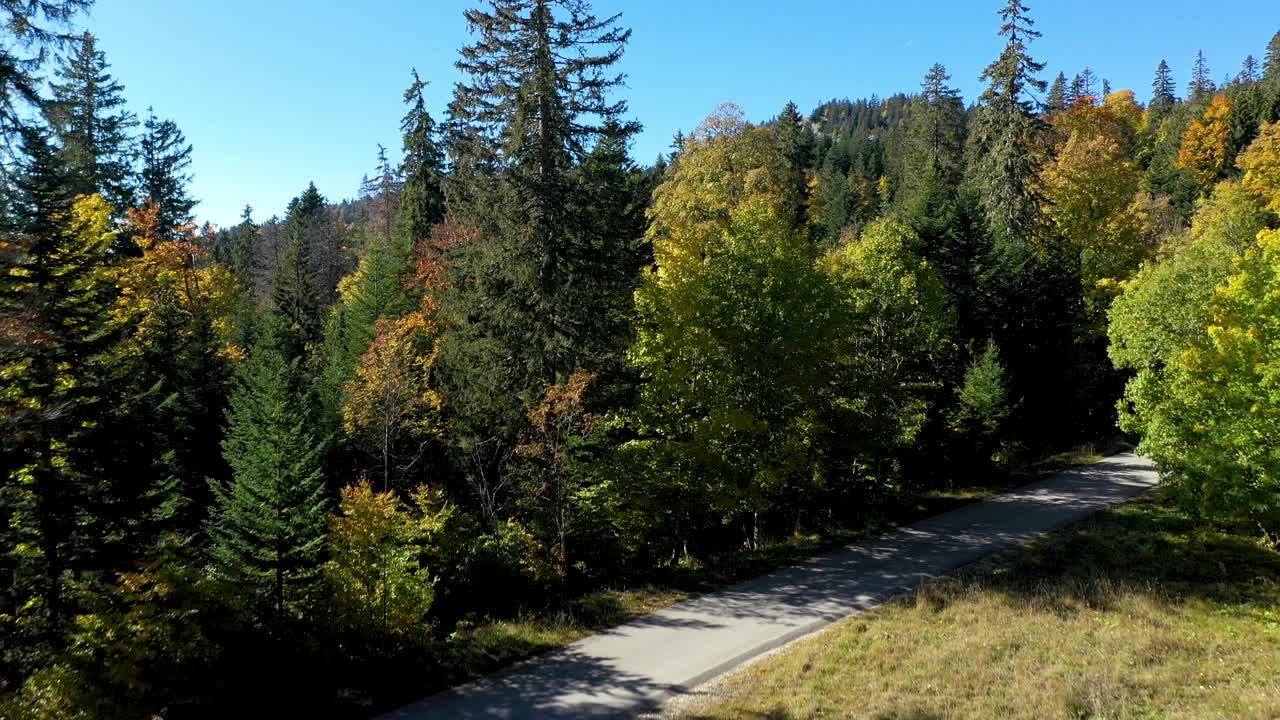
(276, 93)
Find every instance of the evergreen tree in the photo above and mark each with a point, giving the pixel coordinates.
(935, 137)
(89, 115)
(380, 197)
(1271, 81)
(1106, 88)
(293, 294)
(1004, 127)
(166, 171)
(422, 196)
(1201, 81)
(797, 149)
(1056, 101)
(55, 378)
(1248, 70)
(244, 242)
(1077, 91)
(1086, 81)
(1162, 90)
(28, 30)
(268, 526)
(536, 94)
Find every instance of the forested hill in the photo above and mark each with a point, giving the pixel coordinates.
(321, 463)
(844, 117)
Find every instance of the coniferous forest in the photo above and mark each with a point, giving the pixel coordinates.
(308, 459)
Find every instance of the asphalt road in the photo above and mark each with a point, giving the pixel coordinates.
(634, 668)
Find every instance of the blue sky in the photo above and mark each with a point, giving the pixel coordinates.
(276, 93)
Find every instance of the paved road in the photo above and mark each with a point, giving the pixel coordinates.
(633, 668)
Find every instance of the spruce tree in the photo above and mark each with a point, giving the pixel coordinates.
(1271, 81)
(1087, 82)
(1106, 88)
(56, 375)
(422, 170)
(269, 520)
(797, 151)
(380, 197)
(293, 293)
(166, 171)
(535, 96)
(1077, 91)
(935, 138)
(1248, 71)
(28, 31)
(1056, 101)
(1163, 90)
(1201, 79)
(1003, 167)
(88, 112)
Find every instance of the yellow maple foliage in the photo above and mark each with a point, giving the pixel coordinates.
(1204, 145)
(390, 406)
(1261, 165)
(174, 264)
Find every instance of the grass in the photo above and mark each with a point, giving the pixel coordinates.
(1136, 614)
(488, 646)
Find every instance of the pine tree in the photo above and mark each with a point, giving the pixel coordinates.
(1056, 101)
(1106, 88)
(1162, 90)
(89, 115)
(1003, 166)
(1201, 81)
(536, 94)
(56, 373)
(268, 526)
(422, 197)
(166, 171)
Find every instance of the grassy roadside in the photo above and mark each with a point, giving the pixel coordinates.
(489, 646)
(1136, 614)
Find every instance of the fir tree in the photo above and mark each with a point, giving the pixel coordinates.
(293, 294)
(797, 150)
(1162, 90)
(1106, 88)
(536, 95)
(935, 137)
(1271, 81)
(1085, 83)
(381, 197)
(89, 115)
(1248, 70)
(1201, 81)
(268, 526)
(422, 196)
(56, 373)
(1077, 91)
(166, 171)
(1056, 101)
(1003, 167)
(28, 31)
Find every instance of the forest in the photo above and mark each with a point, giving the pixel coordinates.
(301, 459)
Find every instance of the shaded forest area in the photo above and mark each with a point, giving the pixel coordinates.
(292, 462)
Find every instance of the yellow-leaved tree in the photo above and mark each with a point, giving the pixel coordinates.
(1204, 145)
